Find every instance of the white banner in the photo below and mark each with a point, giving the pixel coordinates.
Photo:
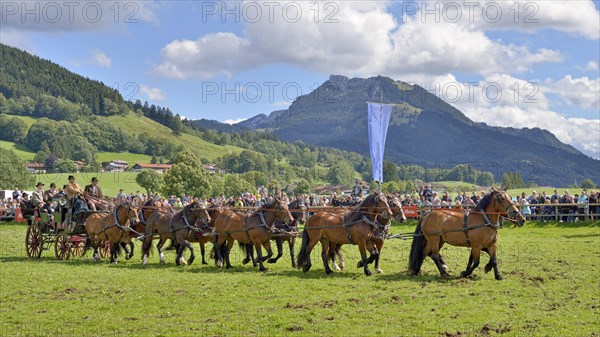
(379, 119)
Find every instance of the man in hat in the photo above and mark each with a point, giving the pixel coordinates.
(73, 189)
(94, 195)
(37, 197)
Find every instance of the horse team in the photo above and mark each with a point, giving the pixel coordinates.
(364, 225)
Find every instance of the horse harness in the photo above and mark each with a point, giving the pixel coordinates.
(347, 224)
(487, 220)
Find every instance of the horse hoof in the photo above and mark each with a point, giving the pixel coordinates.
(445, 267)
(329, 272)
(379, 271)
(294, 266)
(499, 278)
(464, 274)
(145, 260)
(359, 264)
(204, 262)
(305, 268)
(336, 268)
(487, 269)
(264, 270)
(127, 257)
(368, 272)
(245, 261)
(255, 265)
(219, 264)
(271, 261)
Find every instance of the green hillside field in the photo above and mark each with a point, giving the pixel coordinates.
(134, 124)
(20, 150)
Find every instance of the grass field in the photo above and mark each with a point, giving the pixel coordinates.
(20, 150)
(550, 289)
(110, 182)
(132, 124)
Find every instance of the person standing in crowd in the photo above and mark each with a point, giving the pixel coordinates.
(582, 205)
(593, 208)
(16, 194)
(565, 210)
(121, 196)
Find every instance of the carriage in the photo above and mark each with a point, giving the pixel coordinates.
(46, 232)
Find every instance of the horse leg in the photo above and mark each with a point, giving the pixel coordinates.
(374, 251)
(333, 250)
(230, 243)
(113, 253)
(259, 256)
(202, 244)
(379, 244)
(159, 247)
(187, 244)
(434, 245)
(95, 255)
(218, 256)
(279, 243)
(493, 262)
(126, 249)
(291, 243)
(473, 261)
(362, 247)
(131, 249)
(179, 255)
(325, 255)
(304, 255)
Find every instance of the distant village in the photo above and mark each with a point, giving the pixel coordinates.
(119, 166)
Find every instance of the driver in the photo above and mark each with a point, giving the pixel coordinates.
(94, 195)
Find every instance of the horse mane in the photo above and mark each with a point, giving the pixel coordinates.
(368, 200)
(485, 201)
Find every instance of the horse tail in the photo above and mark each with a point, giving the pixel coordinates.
(303, 254)
(147, 246)
(416, 258)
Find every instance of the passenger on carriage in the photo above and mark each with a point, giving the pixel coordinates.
(49, 197)
(94, 195)
(27, 208)
(37, 197)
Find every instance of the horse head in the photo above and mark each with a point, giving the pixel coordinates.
(279, 210)
(199, 211)
(300, 210)
(502, 202)
(377, 204)
(127, 212)
(396, 207)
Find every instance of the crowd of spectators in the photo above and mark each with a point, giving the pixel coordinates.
(577, 207)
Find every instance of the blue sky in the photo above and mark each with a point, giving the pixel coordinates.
(202, 61)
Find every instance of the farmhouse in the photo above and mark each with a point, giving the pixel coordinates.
(157, 167)
(35, 167)
(116, 166)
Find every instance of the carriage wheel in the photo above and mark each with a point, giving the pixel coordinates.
(62, 247)
(77, 248)
(104, 249)
(33, 242)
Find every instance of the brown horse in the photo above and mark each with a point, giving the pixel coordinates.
(284, 233)
(166, 226)
(144, 213)
(113, 227)
(247, 228)
(184, 226)
(477, 230)
(204, 234)
(356, 227)
(378, 237)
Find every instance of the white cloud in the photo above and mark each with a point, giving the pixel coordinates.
(101, 59)
(591, 66)
(366, 40)
(582, 92)
(234, 121)
(575, 17)
(153, 94)
(504, 100)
